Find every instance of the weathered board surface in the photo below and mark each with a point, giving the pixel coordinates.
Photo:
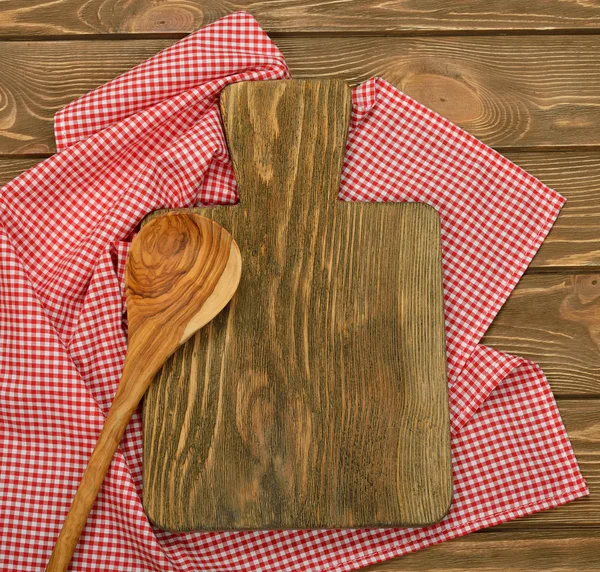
(534, 551)
(554, 320)
(529, 91)
(531, 98)
(319, 399)
(573, 242)
(51, 17)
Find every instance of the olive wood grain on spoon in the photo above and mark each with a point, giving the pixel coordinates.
(181, 271)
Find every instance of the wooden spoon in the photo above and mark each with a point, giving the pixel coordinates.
(182, 270)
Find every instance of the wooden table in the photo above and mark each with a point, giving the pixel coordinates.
(524, 78)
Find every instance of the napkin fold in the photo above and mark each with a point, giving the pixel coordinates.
(151, 139)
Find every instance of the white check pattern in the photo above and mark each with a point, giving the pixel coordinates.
(152, 138)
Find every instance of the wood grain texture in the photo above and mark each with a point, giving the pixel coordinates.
(525, 551)
(52, 17)
(573, 242)
(11, 167)
(182, 269)
(319, 399)
(537, 322)
(566, 349)
(531, 91)
(582, 421)
(554, 320)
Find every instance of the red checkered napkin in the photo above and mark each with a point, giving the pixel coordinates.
(152, 138)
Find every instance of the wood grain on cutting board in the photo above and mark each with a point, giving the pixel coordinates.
(318, 397)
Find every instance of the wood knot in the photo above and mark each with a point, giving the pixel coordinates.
(168, 18)
(450, 97)
(583, 304)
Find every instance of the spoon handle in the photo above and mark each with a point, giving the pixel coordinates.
(182, 270)
(127, 398)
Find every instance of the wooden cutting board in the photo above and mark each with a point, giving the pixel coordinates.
(318, 398)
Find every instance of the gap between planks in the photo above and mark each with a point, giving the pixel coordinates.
(327, 17)
(132, 36)
(526, 92)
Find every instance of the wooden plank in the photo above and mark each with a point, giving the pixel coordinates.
(531, 551)
(52, 17)
(574, 242)
(11, 168)
(277, 427)
(554, 320)
(517, 92)
(540, 320)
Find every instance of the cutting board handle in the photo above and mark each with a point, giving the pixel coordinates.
(268, 157)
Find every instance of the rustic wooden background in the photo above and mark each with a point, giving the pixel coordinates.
(522, 76)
